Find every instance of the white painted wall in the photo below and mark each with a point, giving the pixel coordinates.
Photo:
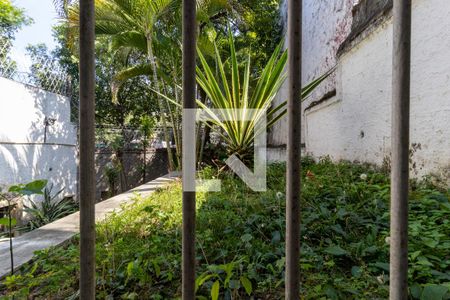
(356, 124)
(326, 24)
(23, 155)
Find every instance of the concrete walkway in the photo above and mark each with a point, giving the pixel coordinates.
(64, 229)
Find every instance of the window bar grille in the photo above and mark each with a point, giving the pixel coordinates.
(292, 279)
(188, 243)
(401, 69)
(87, 150)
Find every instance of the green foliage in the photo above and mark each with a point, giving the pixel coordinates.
(228, 91)
(69, 62)
(147, 34)
(12, 18)
(112, 173)
(237, 92)
(6, 221)
(46, 71)
(14, 192)
(240, 249)
(133, 99)
(260, 30)
(146, 126)
(50, 209)
(33, 188)
(225, 277)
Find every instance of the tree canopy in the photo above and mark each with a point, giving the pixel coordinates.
(12, 18)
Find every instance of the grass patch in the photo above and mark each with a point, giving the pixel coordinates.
(240, 242)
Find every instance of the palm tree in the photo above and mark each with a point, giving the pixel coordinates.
(131, 24)
(62, 7)
(135, 25)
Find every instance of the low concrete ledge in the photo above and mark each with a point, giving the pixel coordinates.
(64, 229)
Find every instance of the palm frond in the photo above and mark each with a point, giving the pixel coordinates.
(126, 74)
(133, 39)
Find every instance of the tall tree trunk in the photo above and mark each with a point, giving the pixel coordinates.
(151, 57)
(175, 125)
(144, 171)
(10, 238)
(120, 156)
(178, 113)
(87, 150)
(122, 176)
(201, 134)
(175, 134)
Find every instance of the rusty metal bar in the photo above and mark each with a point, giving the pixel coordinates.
(87, 150)
(189, 48)
(293, 150)
(401, 69)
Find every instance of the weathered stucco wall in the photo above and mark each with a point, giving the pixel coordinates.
(356, 123)
(326, 24)
(23, 154)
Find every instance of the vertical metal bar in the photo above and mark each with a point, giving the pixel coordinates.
(400, 150)
(189, 48)
(293, 150)
(87, 149)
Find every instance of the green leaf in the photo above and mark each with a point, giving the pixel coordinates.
(336, 250)
(126, 74)
(247, 284)
(157, 269)
(201, 279)
(32, 188)
(130, 268)
(5, 222)
(433, 292)
(422, 260)
(356, 271)
(16, 188)
(415, 254)
(228, 268)
(416, 291)
(331, 292)
(246, 237)
(211, 33)
(276, 237)
(430, 243)
(382, 265)
(215, 290)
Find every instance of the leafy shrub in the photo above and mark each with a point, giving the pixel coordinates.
(49, 209)
(240, 242)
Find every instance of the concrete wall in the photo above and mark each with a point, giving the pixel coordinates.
(326, 24)
(355, 124)
(23, 154)
(157, 166)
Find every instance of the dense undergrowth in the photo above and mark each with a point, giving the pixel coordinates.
(240, 234)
